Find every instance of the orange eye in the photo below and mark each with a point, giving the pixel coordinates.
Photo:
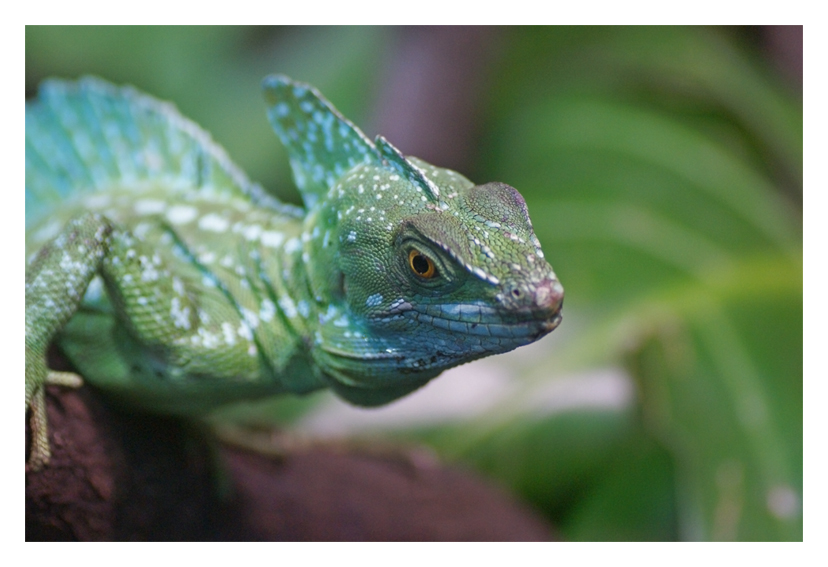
(421, 265)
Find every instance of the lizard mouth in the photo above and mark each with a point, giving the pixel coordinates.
(508, 327)
(456, 333)
(550, 325)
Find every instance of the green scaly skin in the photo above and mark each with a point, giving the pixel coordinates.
(175, 284)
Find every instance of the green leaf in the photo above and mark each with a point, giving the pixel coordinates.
(634, 500)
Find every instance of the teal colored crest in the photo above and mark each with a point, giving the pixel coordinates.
(322, 144)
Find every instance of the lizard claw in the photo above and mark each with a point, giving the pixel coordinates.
(65, 379)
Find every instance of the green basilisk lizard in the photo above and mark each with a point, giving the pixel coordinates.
(173, 283)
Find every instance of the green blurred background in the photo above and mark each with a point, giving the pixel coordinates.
(663, 172)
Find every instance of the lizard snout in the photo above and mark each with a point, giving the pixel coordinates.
(539, 301)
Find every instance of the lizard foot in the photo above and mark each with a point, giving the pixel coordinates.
(40, 452)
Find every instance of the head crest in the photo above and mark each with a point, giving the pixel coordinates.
(407, 169)
(322, 144)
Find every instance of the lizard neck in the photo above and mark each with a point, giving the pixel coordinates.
(351, 352)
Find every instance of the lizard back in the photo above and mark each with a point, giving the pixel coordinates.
(88, 136)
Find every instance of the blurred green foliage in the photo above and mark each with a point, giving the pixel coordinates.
(663, 172)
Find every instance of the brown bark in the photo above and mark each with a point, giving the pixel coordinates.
(116, 475)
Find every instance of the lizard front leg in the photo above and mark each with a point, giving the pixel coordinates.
(193, 330)
(56, 280)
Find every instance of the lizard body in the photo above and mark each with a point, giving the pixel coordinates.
(174, 283)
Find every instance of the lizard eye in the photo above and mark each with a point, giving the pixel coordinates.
(421, 265)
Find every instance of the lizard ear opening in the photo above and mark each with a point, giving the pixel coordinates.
(342, 287)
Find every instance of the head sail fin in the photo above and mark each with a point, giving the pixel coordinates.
(321, 143)
(407, 169)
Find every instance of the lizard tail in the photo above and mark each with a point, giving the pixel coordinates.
(90, 136)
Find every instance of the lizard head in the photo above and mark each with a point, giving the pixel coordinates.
(422, 284)
(415, 269)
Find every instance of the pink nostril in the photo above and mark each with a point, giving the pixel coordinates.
(549, 295)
